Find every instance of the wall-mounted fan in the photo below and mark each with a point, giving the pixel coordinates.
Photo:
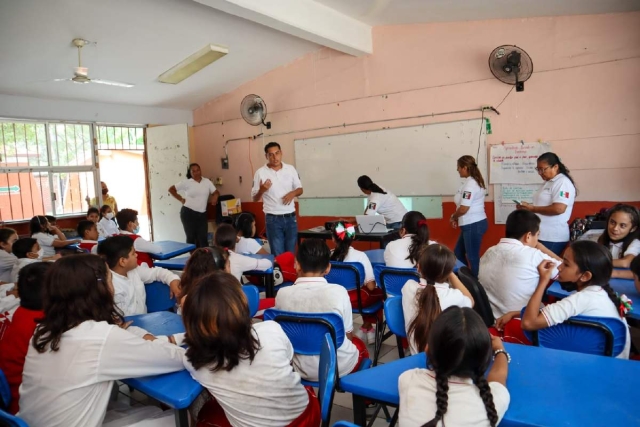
(81, 74)
(254, 111)
(511, 65)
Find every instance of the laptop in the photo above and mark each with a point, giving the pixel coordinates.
(368, 224)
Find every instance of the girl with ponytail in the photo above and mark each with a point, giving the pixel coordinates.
(381, 202)
(622, 237)
(459, 351)
(414, 233)
(586, 268)
(225, 239)
(438, 289)
(470, 215)
(343, 234)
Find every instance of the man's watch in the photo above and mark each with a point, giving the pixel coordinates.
(497, 352)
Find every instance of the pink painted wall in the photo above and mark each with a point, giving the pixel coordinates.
(584, 96)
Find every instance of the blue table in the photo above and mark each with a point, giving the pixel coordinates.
(622, 286)
(376, 256)
(171, 249)
(172, 264)
(548, 388)
(177, 389)
(267, 275)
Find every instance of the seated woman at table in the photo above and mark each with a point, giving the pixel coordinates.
(414, 233)
(439, 289)
(225, 239)
(459, 350)
(586, 268)
(622, 237)
(245, 224)
(343, 234)
(81, 346)
(245, 366)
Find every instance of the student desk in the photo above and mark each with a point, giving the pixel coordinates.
(381, 238)
(177, 389)
(171, 249)
(622, 286)
(172, 264)
(547, 387)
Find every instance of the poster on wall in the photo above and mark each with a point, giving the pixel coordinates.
(516, 163)
(506, 196)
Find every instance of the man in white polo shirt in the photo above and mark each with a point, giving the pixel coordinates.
(278, 184)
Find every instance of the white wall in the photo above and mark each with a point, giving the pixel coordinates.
(52, 109)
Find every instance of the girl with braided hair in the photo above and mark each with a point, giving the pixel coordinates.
(586, 268)
(453, 390)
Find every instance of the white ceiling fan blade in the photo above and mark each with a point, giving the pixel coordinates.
(111, 83)
(57, 80)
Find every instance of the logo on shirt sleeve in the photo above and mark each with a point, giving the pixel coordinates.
(466, 195)
(373, 206)
(564, 194)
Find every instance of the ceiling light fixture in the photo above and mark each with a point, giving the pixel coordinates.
(193, 64)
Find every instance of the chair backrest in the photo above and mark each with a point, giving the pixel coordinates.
(158, 297)
(8, 420)
(583, 334)
(393, 279)
(344, 424)
(327, 376)
(305, 330)
(5, 392)
(481, 301)
(253, 297)
(347, 274)
(395, 316)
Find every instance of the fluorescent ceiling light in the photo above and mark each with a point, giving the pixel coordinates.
(193, 64)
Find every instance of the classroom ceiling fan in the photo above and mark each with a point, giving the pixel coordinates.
(81, 74)
(511, 65)
(254, 111)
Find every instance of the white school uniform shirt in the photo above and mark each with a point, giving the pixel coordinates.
(143, 245)
(559, 189)
(616, 249)
(107, 228)
(19, 265)
(248, 246)
(240, 263)
(263, 392)
(509, 274)
(129, 292)
(417, 388)
(7, 261)
(45, 240)
(196, 194)
(396, 252)
(446, 295)
(315, 295)
(471, 194)
(71, 387)
(591, 301)
(283, 181)
(387, 205)
(354, 255)
(8, 303)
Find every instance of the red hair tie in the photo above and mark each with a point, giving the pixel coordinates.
(422, 222)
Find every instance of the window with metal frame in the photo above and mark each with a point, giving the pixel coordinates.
(120, 137)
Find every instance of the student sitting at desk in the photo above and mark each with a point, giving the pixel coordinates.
(14, 341)
(439, 289)
(8, 237)
(622, 237)
(93, 215)
(245, 224)
(49, 236)
(88, 231)
(246, 367)
(28, 251)
(586, 268)
(129, 278)
(202, 262)
(225, 239)
(129, 226)
(381, 202)
(107, 226)
(81, 347)
(404, 252)
(453, 390)
(312, 294)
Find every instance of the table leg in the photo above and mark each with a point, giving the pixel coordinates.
(359, 411)
(182, 417)
(269, 285)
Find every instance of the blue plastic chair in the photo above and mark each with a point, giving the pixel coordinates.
(583, 334)
(344, 424)
(328, 377)
(351, 276)
(158, 297)
(392, 279)
(5, 391)
(6, 419)
(394, 315)
(253, 298)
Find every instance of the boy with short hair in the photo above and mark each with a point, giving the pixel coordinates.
(130, 227)
(129, 279)
(28, 251)
(312, 294)
(93, 214)
(88, 232)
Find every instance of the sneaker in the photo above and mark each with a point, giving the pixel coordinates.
(361, 334)
(371, 335)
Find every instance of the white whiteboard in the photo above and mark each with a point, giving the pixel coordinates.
(408, 161)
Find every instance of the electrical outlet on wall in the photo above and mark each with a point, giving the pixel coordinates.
(218, 180)
(225, 162)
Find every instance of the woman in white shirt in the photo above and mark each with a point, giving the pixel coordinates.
(197, 191)
(414, 233)
(622, 237)
(245, 366)
(8, 236)
(470, 215)
(245, 224)
(78, 349)
(381, 202)
(225, 239)
(586, 268)
(553, 202)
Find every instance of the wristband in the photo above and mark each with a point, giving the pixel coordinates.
(497, 352)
